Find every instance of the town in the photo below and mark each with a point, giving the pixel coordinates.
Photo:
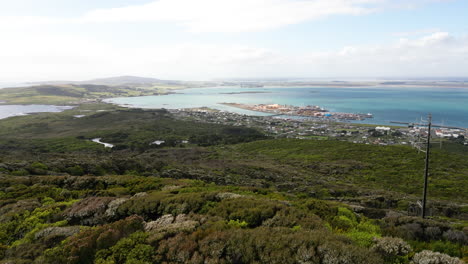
(306, 111)
(324, 129)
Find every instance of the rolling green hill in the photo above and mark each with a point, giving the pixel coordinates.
(71, 94)
(215, 193)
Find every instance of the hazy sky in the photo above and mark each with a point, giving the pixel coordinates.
(206, 39)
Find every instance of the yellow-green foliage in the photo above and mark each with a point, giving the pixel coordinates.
(218, 225)
(35, 219)
(133, 249)
(344, 220)
(29, 237)
(364, 233)
(238, 224)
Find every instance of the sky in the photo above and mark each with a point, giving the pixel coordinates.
(211, 39)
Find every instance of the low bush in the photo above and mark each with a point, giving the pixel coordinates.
(430, 257)
(82, 247)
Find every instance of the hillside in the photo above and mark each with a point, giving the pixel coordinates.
(124, 80)
(113, 81)
(72, 94)
(213, 193)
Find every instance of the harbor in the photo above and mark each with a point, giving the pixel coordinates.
(305, 111)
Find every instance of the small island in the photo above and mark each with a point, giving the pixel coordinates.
(305, 111)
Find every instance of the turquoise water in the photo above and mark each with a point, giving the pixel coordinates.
(17, 110)
(448, 105)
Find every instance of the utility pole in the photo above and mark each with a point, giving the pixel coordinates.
(429, 124)
(426, 169)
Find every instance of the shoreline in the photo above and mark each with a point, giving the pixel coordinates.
(57, 109)
(315, 112)
(310, 118)
(271, 114)
(373, 86)
(253, 90)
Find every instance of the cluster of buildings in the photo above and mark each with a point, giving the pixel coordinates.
(283, 127)
(446, 133)
(288, 109)
(449, 133)
(305, 111)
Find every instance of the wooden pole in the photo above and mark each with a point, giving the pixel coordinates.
(426, 170)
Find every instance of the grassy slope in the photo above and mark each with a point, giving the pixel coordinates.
(262, 225)
(266, 225)
(74, 94)
(123, 127)
(396, 168)
(285, 164)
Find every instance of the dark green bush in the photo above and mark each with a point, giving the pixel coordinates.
(82, 247)
(75, 170)
(262, 245)
(250, 210)
(154, 205)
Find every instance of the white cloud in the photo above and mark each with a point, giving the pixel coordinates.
(413, 33)
(74, 57)
(48, 56)
(232, 16)
(438, 54)
(223, 15)
(211, 15)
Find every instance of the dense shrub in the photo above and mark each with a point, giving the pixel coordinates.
(414, 228)
(456, 236)
(191, 221)
(262, 245)
(76, 170)
(38, 168)
(89, 211)
(130, 249)
(344, 220)
(294, 218)
(82, 247)
(324, 210)
(441, 246)
(250, 210)
(154, 205)
(391, 247)
(429, 257)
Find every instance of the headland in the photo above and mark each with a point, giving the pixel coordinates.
(305, 111)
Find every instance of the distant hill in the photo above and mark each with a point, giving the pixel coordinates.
(114, 81)
(122, 80)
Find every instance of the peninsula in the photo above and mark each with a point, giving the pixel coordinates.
(306, 111)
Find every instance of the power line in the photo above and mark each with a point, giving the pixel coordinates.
(425, 123)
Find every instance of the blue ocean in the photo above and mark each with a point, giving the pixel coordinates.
(449, 106)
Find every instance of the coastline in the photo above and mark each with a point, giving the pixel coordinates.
(369, 86)
(314, 112)
(26, 112)
(195, 99)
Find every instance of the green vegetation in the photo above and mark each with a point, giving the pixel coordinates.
(67, 219)
(74, 93)
(126, 129)
(396, 168)
(214, 193)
